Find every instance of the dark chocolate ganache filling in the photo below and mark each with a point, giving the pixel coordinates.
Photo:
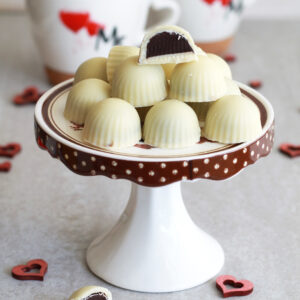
(96, 296)
(167, 43)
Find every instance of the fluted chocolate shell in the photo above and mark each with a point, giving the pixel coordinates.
(116, 56)
(113, 123)
(233, 119)
(90, 293)
(197, 81)
(222, 64)
(171, 124)
(83, 96)
(140, 85)
(92, 68)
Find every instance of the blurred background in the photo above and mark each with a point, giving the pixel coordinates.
(49, 212)
(261, 9)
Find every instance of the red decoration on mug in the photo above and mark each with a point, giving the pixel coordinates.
(74, 20)
(78, 20)
(224, 2)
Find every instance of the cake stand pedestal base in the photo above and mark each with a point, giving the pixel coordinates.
(155, 246)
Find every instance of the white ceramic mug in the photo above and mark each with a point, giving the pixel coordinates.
(70, 31)
(212, 23)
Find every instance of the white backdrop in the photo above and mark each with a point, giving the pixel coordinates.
(279, 9)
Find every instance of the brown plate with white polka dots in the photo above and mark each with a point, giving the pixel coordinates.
(141, 163)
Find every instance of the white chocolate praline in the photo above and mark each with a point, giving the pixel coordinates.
(171, 124)
(140, 85)
(85, 292)
(116, 56)
(233, 119)
(200, 109)
(232, 88)
(83, 96)
(197, 81)
(222, 64)
(92, 68)
(112, 123)
(171, 56)
(168, 68)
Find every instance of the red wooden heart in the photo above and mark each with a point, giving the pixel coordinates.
(240, 287)
(291, 150)
(74, 20)
(5, 167)
(22, 272)
(10, 150)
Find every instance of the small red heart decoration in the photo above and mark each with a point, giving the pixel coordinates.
(30, 95)
(291, 150)
(256, 84)
(74, 20)
(5, 167)
(22, 272)
(10, 150)
(240, 287)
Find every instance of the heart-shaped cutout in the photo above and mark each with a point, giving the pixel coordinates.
(290, 150)
(239, 287)
(10, 150)
(24, 272)
(74, 20)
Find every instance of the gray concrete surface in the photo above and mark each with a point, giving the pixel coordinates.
(48, 212)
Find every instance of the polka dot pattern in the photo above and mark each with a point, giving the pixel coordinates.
(158, 173)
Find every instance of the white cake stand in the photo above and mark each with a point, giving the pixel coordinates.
(155, 246)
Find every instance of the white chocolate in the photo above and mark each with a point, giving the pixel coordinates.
(85, 292)
(116, 56)
(197, 81)
(140, 85)
(92, 68)
(233, 119)
(222, 64)
(173, 57)
(112, 123)
(232, 88)
(168, 68)
(171, 124)
(200, 109)
(83, 96)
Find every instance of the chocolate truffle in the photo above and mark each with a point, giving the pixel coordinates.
(83, 96)
(232, 88)
(92, 68)
(201, 108)
(233, 119)
(171, 124)
(168, 44)
(197, 81)
(113, 123)
(91, 293)
(116, 56)
(168, 68)
(140, 85)
(222, 64)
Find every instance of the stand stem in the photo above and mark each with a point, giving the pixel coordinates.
(155, 246)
